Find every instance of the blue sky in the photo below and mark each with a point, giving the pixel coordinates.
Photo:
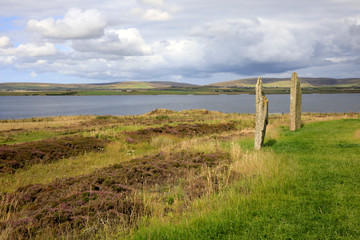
(88, 41)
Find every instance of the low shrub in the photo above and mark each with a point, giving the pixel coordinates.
(106, 195)
(180, 130)
(17, 156)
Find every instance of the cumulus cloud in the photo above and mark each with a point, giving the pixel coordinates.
(150, 14)
(206, 39)
(76, 24)
(123, 42)
(6, 60)
(256, 39)
(256, 46)
(5, 42)
(234, 46)
(181, 54)
(31, 50)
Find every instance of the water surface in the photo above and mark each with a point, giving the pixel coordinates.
(14, 107)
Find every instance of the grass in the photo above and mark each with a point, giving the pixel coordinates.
(45, 173)
(306, 186)
(301, 185)
(27, 136)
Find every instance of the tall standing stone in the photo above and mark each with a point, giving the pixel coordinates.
(295, 103)
(261, 120)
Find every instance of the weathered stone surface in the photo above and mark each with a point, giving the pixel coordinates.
(295, 103)
(261, 115)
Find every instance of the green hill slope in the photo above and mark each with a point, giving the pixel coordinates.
(77, 87)
(285, 82)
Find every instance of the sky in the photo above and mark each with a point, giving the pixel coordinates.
(192, 41)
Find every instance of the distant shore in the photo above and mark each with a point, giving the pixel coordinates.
(178, 91)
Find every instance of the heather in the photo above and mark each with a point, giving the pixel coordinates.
(108, 194)
(180, 130)
(17, 156)
(180, 175)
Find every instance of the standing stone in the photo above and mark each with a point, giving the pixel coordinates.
(261, 115)
(295, 103)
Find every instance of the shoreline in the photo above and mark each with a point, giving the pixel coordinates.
(271, 115)
(178, 91)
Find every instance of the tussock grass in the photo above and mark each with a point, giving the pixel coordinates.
(301, 185)
(33, 123)
(45, 173)
(219, 210)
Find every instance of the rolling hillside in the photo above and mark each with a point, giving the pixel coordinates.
(158, 87)
(285, 82)
(101, 86)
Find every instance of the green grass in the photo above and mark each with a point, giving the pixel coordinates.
(27, 136)
(302, 185)
(312, 193)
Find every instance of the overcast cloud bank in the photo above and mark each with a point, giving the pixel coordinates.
(198, 42)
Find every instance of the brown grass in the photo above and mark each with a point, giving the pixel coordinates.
(107, 194)
(357, 134)
(38, 123)
(160, 177)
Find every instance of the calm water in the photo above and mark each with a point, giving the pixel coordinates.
(12, 107)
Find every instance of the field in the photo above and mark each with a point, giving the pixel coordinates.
(242, 86)
(285, 82)
(179, 175)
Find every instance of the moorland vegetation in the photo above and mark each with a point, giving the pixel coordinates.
(179, 175)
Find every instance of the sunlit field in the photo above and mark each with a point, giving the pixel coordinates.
(179, 175)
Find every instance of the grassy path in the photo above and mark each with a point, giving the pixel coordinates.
(315, 193)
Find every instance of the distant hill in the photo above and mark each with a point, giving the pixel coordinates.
(174, 84)
(249, 82)
(97, 86)
(285, 82)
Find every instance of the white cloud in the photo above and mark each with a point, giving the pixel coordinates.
(6, 60)
(31, 50)
(5, 42)
(253, 45)
(123, 42)
(104, 42)
(338, 59)
(150, 14)
(280, 42)
(34, 50)
(75, 24)
(180, 53)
